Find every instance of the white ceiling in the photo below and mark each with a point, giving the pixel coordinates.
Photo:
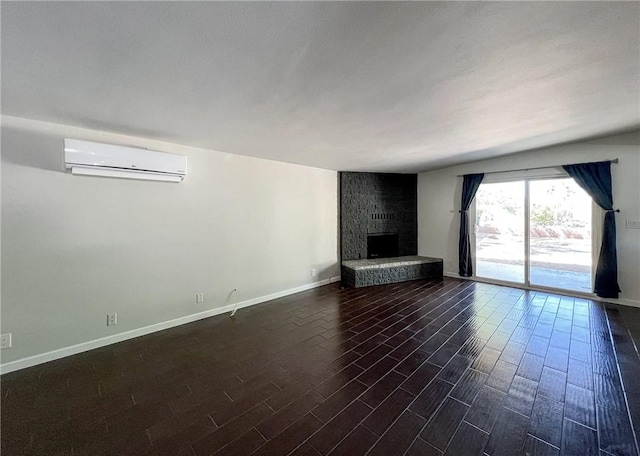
(345, 86)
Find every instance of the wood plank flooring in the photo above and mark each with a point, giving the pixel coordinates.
(420, 368)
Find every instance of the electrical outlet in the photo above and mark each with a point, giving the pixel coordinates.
(314, 272)
(199, 298)
(112, 319)
(5, 341)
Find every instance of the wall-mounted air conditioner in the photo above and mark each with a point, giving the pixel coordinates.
(106, 160)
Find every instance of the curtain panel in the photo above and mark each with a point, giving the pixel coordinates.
(470, 185)
(595, 179)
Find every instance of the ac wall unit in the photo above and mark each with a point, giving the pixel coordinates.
(106, 160)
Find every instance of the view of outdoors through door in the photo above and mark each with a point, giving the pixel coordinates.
(559, 233)
(560, 230)
(500, 231)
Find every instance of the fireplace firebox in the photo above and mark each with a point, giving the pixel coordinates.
(382, 245)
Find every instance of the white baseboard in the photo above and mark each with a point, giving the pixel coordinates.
(621, 301)
(97, 343)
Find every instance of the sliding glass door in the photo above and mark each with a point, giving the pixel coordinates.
(534, 232)
(500, 234)
(560, 235)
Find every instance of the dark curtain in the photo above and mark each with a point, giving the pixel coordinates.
(470, 186)
(595, 179)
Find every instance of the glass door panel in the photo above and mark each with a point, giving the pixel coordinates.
(500, 231)
(560, 235)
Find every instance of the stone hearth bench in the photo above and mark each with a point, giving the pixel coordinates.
(364, 273)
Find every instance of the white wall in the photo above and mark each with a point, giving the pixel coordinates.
(77, 248)
(439, 195)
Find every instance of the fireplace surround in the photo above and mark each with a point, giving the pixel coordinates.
(373, 204)
(379, 230)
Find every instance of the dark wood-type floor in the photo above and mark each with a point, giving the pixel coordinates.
(419, 368)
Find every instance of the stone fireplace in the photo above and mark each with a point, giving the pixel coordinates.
(373, 206)
(379, 230)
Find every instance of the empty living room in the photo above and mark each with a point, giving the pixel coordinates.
(320, 228)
